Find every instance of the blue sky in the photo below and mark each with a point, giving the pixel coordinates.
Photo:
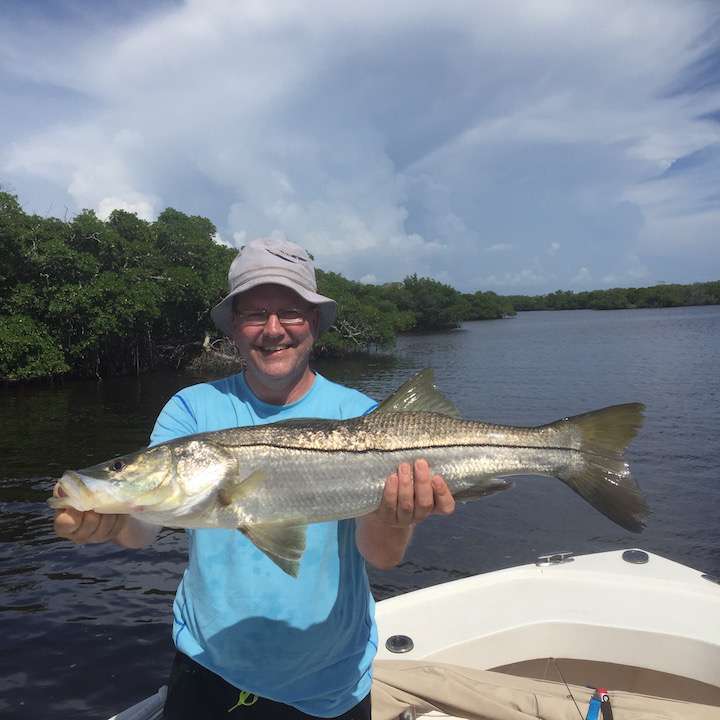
(519, 147)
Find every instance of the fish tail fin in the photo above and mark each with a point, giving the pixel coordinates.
(600, 475)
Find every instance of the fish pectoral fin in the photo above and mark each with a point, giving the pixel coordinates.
(418, 394)
(153, 498)
(283, 544)
(231, 489)
(487, 487)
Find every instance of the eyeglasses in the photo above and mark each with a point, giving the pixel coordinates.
(259, 316)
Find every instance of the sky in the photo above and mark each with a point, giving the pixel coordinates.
(519, 147)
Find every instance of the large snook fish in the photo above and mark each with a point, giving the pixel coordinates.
(269, 481)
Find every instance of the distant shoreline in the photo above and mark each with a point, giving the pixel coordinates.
(633, 307)
(655, 296)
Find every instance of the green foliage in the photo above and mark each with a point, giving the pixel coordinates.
(665, 295)
(487, 306)
(371, 316)
(366, 319)
(27, 350)
(433, 305)
(94, 298)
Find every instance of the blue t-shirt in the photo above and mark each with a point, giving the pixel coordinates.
(307, 641)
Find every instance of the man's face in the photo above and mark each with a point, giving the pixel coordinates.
(274, 351)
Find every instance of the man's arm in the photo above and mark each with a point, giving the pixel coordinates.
(410, 495)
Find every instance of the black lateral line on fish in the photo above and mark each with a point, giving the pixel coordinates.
(307, 448)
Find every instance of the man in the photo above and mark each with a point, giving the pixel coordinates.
(251, 640)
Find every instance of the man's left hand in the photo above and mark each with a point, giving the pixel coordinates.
(411, 494)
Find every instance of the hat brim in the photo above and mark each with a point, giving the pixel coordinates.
(222, 313)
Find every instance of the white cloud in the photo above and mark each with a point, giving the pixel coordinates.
(630, 270)
(581, 278)
(98, 169)
(630, 276)
(386, 138)
(526, 278)
(143, 208)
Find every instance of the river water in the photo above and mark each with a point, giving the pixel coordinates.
(85, 631)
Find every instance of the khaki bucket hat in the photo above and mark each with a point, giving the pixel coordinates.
(275, 261)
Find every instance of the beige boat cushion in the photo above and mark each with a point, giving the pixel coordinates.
(483, 695)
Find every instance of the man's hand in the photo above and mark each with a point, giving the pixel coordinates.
(91, 527)
(411, 494)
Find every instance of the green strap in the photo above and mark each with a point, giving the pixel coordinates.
(246, 699)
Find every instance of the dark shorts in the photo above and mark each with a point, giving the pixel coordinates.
(195, 693)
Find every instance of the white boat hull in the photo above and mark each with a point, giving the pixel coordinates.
(651, 628)
(659, 615)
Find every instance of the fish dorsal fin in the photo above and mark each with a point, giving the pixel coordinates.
(418, 394)
(283, 544)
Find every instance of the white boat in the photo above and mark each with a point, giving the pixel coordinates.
(535, 641)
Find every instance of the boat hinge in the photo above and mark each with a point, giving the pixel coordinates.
(557, 558)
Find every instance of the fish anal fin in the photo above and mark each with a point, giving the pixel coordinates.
(283, 544)
(231, 489)
(418, 394)
(483, 489)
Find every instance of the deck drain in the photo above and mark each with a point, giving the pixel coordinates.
(637, 557)
(399, 644)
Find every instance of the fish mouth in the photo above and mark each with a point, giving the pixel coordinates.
(72, 492)
(82, 493)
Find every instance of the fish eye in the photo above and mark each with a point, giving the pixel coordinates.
(117, 466)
